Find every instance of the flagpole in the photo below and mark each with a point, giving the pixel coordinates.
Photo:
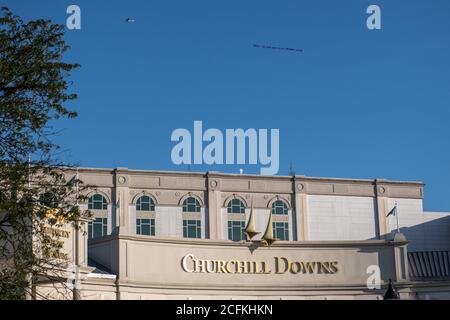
(396, 216)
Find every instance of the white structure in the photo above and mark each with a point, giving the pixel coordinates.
(171, 234)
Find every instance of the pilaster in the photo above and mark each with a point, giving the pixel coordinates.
(300, 209)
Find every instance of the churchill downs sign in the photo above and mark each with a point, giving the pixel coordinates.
(279, 265)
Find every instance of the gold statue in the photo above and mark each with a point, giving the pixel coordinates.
(268, 238)
(250, 230)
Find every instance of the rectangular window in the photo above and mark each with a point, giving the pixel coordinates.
(192, 229)
(236, 230)
(98, 228)
(281, 230)
(145, 227)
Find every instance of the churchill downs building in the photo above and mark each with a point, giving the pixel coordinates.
(174, 235)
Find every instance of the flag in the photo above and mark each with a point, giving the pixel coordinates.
(118, 201)
(393, 212)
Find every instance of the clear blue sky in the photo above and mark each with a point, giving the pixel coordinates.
(356, 103)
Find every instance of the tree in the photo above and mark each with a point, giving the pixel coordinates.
(34, 194)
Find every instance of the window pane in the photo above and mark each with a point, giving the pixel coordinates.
(97, 202)
(275, 230)
(236, 234)
(145, 229)
(145, 203)
(243, 235)
(281, 230)
(98, 230)
(235, 206)
(152, 227)
(279, 207)
(198, 230)
(192, 228)
(236, 230)
(191, 205)
(191, 232)
(138, 226)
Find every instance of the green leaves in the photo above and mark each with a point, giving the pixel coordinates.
(33, 84)
(33, 92)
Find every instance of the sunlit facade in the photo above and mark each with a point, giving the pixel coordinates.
(165, 235)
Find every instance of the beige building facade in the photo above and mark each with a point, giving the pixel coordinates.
(175, 235)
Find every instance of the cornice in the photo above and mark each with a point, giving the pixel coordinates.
(248, 244)
(213, 174)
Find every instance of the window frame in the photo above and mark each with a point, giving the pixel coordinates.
(92, 202)
(284, 207)
(150, 202)
(186, 205)
(192, 223)
(241, 206)
(141, 222)
(281, 227)
(103, 222)
(232, 224)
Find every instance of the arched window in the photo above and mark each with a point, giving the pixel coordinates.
(235, 206)
(145, 221)
(192, 225)
(280, 228)
(236, 227)
(191, 205)
(49, 200)
(97, 202)
(99, 227)
(145, 203)
(279, 207)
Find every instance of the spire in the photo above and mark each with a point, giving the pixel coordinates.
(268, 238)
(391, 293)
(250, 230)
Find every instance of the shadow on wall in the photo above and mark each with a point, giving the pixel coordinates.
(385, 260)
(432, 235)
